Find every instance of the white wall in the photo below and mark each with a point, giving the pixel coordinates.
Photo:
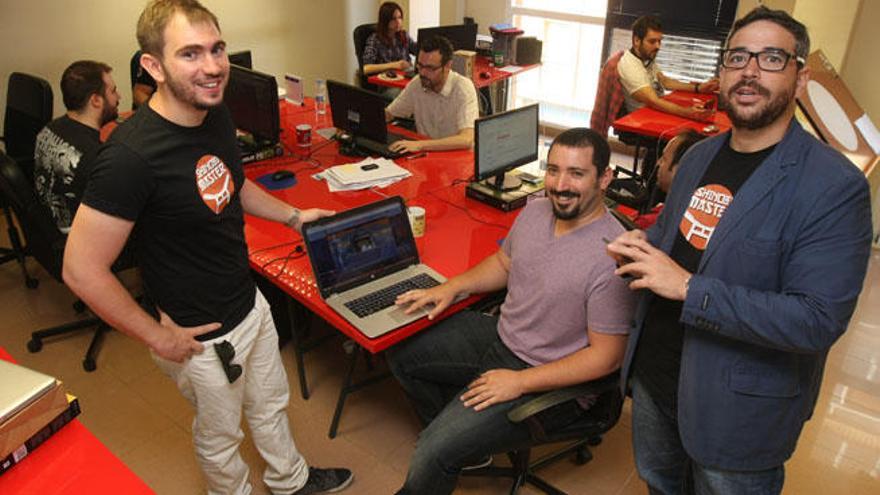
(311, 38)
(488, 12)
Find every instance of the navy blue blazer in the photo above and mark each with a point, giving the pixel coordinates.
(775, 288)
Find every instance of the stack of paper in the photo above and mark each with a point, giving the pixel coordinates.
(371, 172)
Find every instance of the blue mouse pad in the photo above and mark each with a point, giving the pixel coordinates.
(274, 185)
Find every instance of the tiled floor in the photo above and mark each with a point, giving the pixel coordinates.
(139, 415)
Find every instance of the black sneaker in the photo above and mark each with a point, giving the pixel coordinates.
(329, 480)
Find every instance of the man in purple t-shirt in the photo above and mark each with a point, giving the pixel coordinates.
(564, 321)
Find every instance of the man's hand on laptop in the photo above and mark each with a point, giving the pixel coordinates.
(440, 297)
(310, 215)
(404, 146)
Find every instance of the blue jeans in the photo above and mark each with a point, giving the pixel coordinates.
(666, 467)
(434, 368)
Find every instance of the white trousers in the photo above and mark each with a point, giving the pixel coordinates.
(262, 391)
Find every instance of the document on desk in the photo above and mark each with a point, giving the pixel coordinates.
(370, 172)
(511, 69)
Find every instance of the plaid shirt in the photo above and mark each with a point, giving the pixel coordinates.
(377, 52)
(609, 96)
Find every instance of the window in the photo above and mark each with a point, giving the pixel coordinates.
(572, 32)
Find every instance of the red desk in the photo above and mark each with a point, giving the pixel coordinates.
(459, 233)
(72, 461)
(481, 65)
(653, 123)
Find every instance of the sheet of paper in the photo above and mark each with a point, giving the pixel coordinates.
(869, 132)
(512, 69)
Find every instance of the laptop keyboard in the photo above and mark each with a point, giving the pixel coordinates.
(377, 301)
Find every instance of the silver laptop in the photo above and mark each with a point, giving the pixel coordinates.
(19, 387)
(363, 259)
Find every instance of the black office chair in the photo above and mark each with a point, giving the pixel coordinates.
(28, 110)
(584, 432)
(360, 35)
(46, 244)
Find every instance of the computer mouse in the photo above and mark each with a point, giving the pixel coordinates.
(369, 166)
(391, 74)
(283, 175)
(485, 75)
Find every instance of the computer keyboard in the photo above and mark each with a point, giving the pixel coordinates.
(377, 301)
(377, 148)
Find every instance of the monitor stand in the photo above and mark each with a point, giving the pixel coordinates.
(500, 198)
(504, 182)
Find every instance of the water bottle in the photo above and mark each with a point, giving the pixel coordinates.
(320, 97)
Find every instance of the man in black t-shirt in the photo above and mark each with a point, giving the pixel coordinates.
(66, 147)
(752, 273)
(171, 177)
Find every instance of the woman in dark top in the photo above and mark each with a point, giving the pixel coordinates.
(390, 46)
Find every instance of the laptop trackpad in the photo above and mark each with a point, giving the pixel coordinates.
(399, 315)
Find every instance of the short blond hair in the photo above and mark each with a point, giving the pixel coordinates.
(156, 16)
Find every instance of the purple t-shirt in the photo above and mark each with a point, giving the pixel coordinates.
(559, 287)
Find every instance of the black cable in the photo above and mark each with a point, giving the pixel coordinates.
(468, 213)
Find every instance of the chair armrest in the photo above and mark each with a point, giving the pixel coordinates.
(558, 396)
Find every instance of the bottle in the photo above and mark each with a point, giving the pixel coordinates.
(320, 97)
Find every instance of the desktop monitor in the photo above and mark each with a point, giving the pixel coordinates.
(242, 59)
(252, 98)
(357, 111)
(505, 141)
(462, 36)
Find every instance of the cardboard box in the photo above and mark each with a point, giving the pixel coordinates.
(19, 428)
(463, 62)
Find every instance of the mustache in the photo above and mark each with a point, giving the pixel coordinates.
(565, 194)
(761, 90)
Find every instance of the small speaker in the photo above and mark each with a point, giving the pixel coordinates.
(528, 50)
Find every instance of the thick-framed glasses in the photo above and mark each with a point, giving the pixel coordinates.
(768, 60)
(226, 352)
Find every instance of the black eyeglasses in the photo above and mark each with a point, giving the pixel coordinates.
(226, 353)
(771, 60)
(429, 68)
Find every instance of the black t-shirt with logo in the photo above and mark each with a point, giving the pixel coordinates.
(180, 185)
(658, 358)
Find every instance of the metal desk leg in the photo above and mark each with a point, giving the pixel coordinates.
(348, 386)
(297, 322)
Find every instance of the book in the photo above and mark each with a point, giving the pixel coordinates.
(42, 435)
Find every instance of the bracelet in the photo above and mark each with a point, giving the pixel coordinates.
(687, 285)
(294, 218)
(696, 87)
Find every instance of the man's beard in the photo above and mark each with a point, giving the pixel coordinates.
(566, 215)
(109, 114)
(766, 116)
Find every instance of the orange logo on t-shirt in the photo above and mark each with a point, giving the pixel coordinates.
(707, 206)
(215, 182)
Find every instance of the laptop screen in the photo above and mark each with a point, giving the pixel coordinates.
(360, 245)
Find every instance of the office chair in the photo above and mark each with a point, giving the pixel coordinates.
(46, 244)
(28, 110)
(360, 35)
(584, 432)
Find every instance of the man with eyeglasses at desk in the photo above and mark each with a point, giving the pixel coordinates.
(752, 272)
(443, 102)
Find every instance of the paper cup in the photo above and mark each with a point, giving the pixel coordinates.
(304, 135)
(417, 220)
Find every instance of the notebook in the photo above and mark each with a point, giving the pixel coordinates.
(362, 259)
(19, 387)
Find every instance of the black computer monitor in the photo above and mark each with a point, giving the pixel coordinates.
(242, 59)
(252, 98)
(462, 36)
(505, 141)
(357, 111)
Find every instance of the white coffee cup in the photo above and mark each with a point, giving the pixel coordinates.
(417, 220)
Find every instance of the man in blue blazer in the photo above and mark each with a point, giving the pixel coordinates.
(752, 272)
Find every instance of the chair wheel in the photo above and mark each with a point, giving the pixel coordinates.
(34, 345)
(31, 283)
(583, 456)
(79, 306)
(89, 365)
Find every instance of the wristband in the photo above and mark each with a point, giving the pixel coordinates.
(687, 285)
(294, 218)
